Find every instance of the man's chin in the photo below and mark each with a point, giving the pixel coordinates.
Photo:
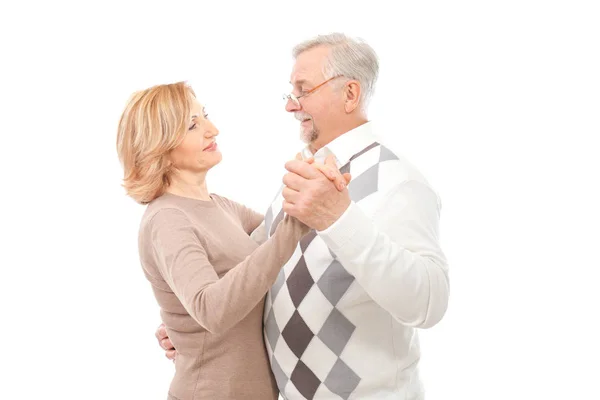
(308, 136)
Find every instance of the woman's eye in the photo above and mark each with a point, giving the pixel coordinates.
(192, 127)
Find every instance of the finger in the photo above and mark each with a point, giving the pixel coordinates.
(302, 168)
(330, 161)
(333, 174)
(290, 195)
(288, 208)
(166, 344)
(293, 181)
(300, 157)
(340, 182)
(348, 177)
(161, 332)
(171, 354)
(325, 170)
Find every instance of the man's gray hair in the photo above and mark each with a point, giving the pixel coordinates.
(349, 57)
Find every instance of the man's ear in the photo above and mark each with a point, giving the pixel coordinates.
(352, 93)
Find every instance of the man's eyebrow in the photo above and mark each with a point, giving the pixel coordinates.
(299, 82)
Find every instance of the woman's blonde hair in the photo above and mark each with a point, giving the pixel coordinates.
(153, 123)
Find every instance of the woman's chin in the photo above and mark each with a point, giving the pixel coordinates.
(216, 158)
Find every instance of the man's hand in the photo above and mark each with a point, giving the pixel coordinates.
(165, 342)
(330, 170)
(311, 197)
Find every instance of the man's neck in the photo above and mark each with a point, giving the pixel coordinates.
(324, 140)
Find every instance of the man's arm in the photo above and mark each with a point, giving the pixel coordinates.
(395, 255)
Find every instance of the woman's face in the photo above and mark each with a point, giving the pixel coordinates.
(198, 152)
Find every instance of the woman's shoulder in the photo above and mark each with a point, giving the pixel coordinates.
(225, 202)
(165, 208)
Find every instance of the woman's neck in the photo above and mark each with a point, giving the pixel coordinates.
(189, 185)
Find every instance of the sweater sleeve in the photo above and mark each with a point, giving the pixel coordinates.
(218, 304)
(396, 255)
(249, 218)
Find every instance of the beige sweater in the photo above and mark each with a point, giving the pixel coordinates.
(210, 279)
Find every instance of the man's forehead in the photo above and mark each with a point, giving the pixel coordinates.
(309, 65)
(305, 73)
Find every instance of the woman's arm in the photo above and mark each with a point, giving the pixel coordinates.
(218, 304)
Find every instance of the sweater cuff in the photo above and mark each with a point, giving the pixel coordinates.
(350, 234)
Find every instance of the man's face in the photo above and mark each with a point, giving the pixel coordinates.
(318, 110)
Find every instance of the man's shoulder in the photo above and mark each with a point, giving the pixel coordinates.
(393, 166)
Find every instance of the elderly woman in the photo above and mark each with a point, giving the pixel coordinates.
(208, 276)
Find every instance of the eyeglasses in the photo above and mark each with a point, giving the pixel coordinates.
(296, 99)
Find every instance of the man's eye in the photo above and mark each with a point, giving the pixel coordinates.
(206, 116)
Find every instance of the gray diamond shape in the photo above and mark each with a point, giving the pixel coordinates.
(335, 281)
(299, 282)
(269, 219)
(336, 331)
(278, 219)
(277, 285)
(364, 184)
(280, 376)
(386, 154)
(307, 239)
(332, 253)
(363, 151)
(345, 168)
(342, 380)
(305, 381)
(272, 330)
(297, 334)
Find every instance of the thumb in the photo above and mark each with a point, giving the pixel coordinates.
(347, 177)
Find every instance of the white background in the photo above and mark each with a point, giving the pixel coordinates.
(496, 102)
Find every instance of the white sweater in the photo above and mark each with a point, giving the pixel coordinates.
(340, 320)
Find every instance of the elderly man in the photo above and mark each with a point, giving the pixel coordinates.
(341, 319)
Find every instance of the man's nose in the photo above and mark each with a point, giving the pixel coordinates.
(291, 106)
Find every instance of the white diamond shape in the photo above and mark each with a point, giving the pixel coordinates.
(286, 359)
(324, 393)
(291, 392)
(288, 268)
(317, 258)
(319, 358)
(315, 309)
(283, 308)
